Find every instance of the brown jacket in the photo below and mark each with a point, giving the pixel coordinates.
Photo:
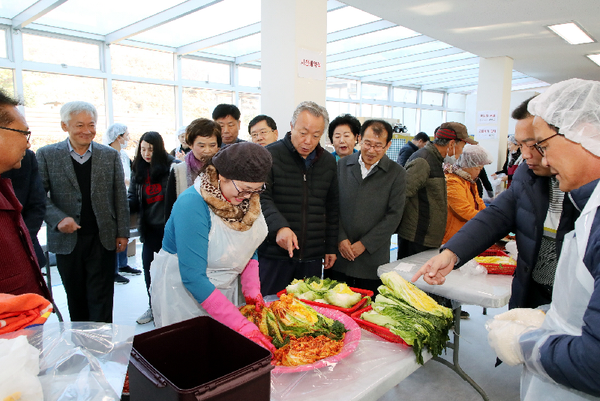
(463, 203)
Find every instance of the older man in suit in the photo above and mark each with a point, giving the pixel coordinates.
(87, 213)
(372, 195)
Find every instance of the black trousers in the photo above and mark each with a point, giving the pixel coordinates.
(153, 237)
(87, 274)
(408, 248)
(277, 274)
(362, 283)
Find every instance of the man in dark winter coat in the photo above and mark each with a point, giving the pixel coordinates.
(300, 203)
(418, 142)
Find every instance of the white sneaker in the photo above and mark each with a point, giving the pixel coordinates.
(147, 317)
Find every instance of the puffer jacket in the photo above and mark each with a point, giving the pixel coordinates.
(303, 199)
(463, 203)
(424, 218)
(521, 209)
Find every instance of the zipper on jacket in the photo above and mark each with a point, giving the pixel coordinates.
(302, 240)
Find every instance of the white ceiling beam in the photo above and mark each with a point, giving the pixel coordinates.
(452, 83)
(441, 78)
(159, 19)
(397, 44)
(219, 39)
(394, 61)
(397, 75)
(247, 58)
(417, 75)
(463, 89)
(35, 11)
(359, 30)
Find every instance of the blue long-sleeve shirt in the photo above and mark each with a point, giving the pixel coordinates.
(574, 361)
(186, 234)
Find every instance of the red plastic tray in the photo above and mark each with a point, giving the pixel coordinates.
(494, 268)
(382, 332)
(347, 311)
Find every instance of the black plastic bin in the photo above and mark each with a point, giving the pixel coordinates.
(198, 359)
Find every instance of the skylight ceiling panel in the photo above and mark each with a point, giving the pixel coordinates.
(370, 39)
(347, 17)
(236, 48)
(105, 16)
(416, 64)
(205, 23)
(11, 8)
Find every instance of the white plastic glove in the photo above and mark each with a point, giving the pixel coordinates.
(506, 329)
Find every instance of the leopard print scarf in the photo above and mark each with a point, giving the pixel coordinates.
(238, 218)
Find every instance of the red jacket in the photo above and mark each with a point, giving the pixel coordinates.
(19, 269)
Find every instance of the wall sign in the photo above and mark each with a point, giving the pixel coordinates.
(311, 64)
(487, 116)
(489, 132)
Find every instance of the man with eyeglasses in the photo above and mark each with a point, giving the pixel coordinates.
(228, 117)
(424, 220)
(372, 195)
(263, 130)
(300, 203)
(535, 209)
(19, 269)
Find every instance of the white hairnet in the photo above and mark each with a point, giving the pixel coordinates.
(180, 130)
(113, 132)
(473, 156)
(512, 139)
(574, 107)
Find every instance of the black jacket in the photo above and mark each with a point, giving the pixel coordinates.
(303, 199)
(406, 152)
(521, 209)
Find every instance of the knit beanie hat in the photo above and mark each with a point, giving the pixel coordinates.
(243, 161)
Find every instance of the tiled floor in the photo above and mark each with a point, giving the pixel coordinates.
(432, 382)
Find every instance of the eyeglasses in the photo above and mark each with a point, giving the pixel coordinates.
(542, 149)
(241, 194)
(368, 145)
(26, 133)
(262, 132)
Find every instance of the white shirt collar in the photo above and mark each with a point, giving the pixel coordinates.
(364, 171)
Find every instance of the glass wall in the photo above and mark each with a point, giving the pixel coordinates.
(7, 81)
(52, 50)
(205, 71)
(127, 60)
(199, 102)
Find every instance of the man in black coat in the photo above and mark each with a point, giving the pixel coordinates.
(300, 203)
(418, 142)
(27, 184)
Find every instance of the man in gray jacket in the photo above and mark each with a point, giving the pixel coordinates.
(87, 214)
(372, 194)
(424, 220)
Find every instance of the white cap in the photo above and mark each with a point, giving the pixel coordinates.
(113, 132)
(573, 106)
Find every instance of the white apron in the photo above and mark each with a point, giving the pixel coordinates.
(228, 253)
(573, 287)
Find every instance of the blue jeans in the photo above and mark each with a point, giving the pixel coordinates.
(120, 261)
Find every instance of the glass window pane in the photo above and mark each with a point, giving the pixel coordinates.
(408, 117)
(342, 88)
(432, 98)
(430, 120)
(249, 76)
(337, 108)
(44, 96)
(405, 95)
(10, 9)
(7, 81)
(250, 108)
(457, 101)
(235, 48)
(375, 92)
(45, 49)
(3, 43)
(456, 117)
(205, 71)
(199, 103)
(127, 60)
(370, 39)
(145, 107)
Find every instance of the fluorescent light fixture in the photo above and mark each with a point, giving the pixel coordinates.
(572, 33)
(595, 58)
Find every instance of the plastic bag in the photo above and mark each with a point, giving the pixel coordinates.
(81, 361)
(472, 268)
(20, 367)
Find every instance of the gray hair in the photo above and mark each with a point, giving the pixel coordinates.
(312, 108)
(76, 107)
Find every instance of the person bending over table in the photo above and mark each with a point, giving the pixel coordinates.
(210, 241)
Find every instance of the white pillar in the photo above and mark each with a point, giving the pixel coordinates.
(289, 30)
(493, 95)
